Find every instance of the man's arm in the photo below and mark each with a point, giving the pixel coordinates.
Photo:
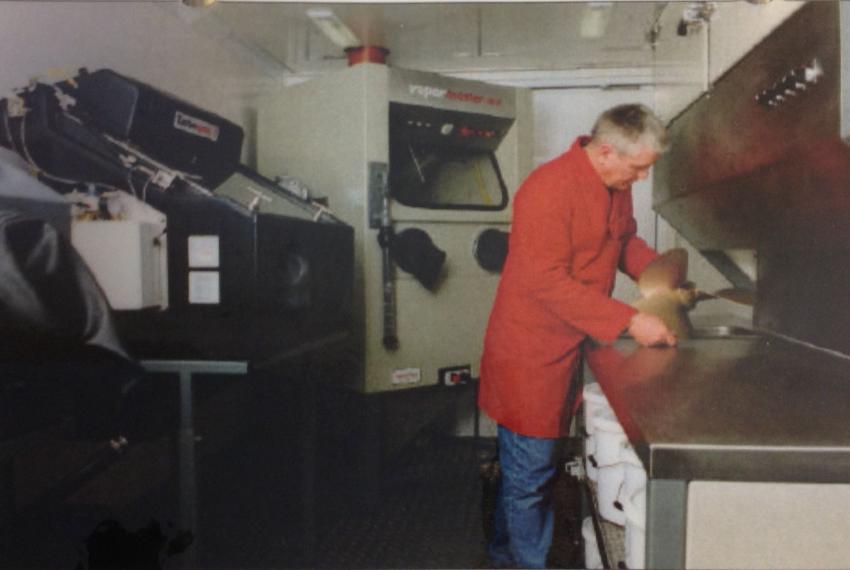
(645, 328)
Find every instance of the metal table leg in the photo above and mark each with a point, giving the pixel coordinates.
(7, 501)
(188, 513)
(308, 468)
(186, 456)
(666, 523)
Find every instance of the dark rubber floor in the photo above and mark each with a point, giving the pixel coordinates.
(425, 510)
(429, 514)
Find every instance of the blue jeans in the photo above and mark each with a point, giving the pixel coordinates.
(524, 517)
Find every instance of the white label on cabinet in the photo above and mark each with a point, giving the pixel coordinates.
(407, 376)
(204, 288)
(203, 251)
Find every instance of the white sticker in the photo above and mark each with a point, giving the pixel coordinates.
(203, 251)
(204, 288)
(407, 376)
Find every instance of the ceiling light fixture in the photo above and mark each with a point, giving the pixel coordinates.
(333, 28)
(594, 19)
(198, 3)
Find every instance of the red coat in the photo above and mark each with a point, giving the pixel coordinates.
(569, 235)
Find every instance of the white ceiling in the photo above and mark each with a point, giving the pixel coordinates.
(448, 37)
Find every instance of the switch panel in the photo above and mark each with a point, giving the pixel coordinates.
(455, 375)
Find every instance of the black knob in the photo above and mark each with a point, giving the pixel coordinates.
(491, 249)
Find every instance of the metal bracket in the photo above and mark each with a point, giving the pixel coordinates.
(377, 190)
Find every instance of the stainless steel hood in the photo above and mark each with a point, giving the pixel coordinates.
(761, 162)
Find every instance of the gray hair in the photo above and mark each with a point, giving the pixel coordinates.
(629, 127)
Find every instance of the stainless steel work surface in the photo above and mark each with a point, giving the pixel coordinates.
(747, 408)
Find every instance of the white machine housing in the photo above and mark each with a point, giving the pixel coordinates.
(127, 254)
(327, 131)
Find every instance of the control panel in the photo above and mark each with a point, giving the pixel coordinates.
(442, 127)
(792, 84)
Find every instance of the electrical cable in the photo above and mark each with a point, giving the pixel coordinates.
(32, 162)
(145, 188)
(9, 129)
(130, 182)
(39, 170)
(136, 152)
(72, 182)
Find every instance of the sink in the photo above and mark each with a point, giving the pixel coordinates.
(722, 331)
(707, 332)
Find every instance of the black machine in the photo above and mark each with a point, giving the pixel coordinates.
(281, 269)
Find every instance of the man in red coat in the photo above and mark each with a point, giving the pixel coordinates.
(572, 229)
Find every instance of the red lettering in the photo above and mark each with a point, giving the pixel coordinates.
(473, 98)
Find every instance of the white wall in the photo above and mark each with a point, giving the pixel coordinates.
(170, 46)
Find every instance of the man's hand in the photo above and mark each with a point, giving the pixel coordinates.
(649, 330)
